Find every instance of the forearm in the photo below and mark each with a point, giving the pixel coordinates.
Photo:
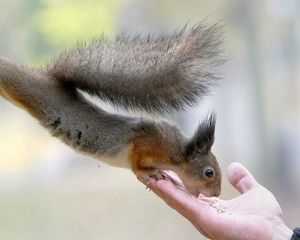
(282, 232)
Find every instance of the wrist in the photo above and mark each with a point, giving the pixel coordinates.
(282, 232)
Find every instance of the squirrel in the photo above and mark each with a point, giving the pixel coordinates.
(135, 72)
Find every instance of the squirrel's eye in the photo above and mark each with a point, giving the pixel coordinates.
(209, 173)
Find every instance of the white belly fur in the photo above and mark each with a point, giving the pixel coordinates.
(120, 159)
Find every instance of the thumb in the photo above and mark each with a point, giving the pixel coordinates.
(240, 177)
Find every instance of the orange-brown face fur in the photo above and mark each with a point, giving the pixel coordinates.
(163, 147)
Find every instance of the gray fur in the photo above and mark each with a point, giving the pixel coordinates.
(159, 74)
(64, 112)
(154, 74)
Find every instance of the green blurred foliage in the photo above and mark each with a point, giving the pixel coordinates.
(63, 23)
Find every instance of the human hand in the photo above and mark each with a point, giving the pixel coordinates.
(255, 214)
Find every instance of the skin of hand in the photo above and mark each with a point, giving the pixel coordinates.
(255, 214)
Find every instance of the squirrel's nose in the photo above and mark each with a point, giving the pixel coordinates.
(216, 192)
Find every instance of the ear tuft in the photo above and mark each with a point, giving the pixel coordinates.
(205, 134)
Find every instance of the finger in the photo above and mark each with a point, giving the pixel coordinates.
(186, 204)
(240, 177)
(169, 192)
(196, 211)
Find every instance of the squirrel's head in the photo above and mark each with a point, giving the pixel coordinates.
(198, 169)
(163, 150)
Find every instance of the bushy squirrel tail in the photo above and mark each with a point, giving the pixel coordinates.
(154, 74)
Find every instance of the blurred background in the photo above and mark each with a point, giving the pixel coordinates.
(49, 192)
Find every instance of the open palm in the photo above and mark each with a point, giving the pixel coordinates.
(255, 214)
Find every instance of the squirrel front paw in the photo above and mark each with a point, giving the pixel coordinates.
(145, 174)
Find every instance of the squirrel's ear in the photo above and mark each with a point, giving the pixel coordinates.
(205, 134)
